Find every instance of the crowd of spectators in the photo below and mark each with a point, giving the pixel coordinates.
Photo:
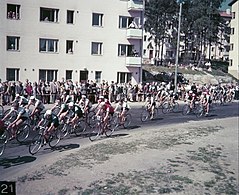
(48, 92)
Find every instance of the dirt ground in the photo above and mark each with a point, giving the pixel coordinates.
(190, 158)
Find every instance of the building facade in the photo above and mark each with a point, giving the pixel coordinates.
(234, 40)
(77, 40)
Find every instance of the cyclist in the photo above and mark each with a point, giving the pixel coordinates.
(191, 97)
(207, 101)
(77, 113)
(64, 109)
(21, 100)
(108, 110)
(124, 108)
(38, 106)
(85, 103)
(52, 122)
(162, 94)
(150, 104)
(22, 115)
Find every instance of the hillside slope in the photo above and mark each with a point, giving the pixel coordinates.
(198, 76)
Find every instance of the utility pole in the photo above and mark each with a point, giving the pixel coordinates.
(178, 45)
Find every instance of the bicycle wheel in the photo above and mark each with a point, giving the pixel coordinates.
(64, 130)
(3, 141)
(109, 131)
(80, 127)
(186, 109)
(199, 111)
(175, 107)
(155, 113)
(113, 122)
(91, 119)
(1, 111)
(54, 138)
(95, 134)
(36, 144)
(166, 108)
(12, 116)
(23, 133)
(144, 115)
(127, 120)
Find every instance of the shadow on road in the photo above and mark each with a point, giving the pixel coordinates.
(119, 135)
(10, 162)
(133, 127)
(62, 148)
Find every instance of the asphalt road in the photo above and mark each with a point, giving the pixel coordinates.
(16, 157)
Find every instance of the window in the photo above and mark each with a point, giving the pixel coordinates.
(97, 19)
(129, 22)
(125, 50)
(47, 75)
(70, 17)
(48, 14)
(230, 62)
(231, 47)
(12, 74)
(124, 21)
(68, 74)
(69, 47)
(96, 48)
(212, 48)
(48, 45)
(232, 31)
(98, 76)
(233, 15)
(124, 77)
(13, 43)
(13, 11)
(144, 52)
(145, 37)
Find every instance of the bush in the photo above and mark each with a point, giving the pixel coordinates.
(220, 65)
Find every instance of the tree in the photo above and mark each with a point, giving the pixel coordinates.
(159, 15)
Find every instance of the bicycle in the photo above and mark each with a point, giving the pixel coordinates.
(125, 121)
(201, 111)
(170, 107)
(90, 118)
(147, 114)
(40, 140)
(6, 135)
(77, 129)
(187, 110)
(1, 111)
(102, 128)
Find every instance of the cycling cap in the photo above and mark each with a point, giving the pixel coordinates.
(32, 98)
(83, 96)
(101, 97)
(17, 95)
(48, 112)
(71, 104)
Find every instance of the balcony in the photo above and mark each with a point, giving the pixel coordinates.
(134, 33)
(133, 61)
(135, 5)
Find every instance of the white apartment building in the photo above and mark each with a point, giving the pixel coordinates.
(234, 40)
(75, 39)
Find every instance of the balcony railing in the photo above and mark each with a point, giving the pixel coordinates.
(134, 33)
(135, 5)
(133, 61)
